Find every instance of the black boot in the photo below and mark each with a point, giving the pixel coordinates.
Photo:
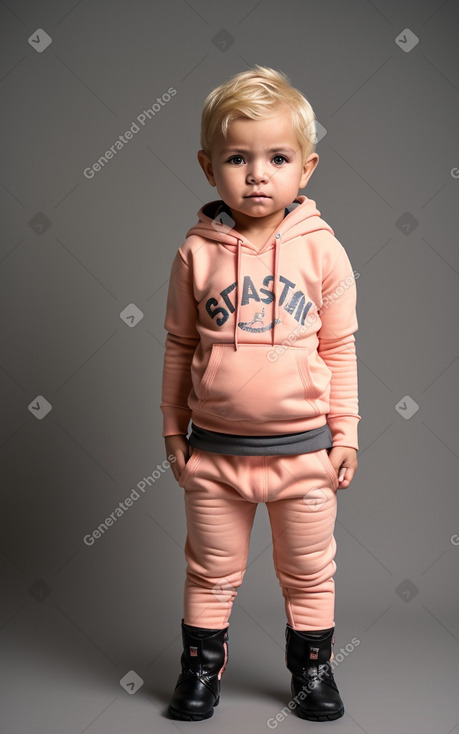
(314, 689)
(204, 657)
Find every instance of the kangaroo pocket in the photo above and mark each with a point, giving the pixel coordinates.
(260, 383)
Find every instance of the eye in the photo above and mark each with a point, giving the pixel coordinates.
(236, 159)
(282, 157)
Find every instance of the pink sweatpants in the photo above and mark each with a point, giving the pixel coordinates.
(221, 494)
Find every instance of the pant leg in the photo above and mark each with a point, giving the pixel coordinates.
(302, 515)
(219, 523)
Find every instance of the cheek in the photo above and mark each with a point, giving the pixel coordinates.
(290, 179)
(230, 177)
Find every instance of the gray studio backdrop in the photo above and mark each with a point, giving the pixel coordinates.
(89, 618)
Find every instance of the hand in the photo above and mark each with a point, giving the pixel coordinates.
(344, 461)
(179, 447)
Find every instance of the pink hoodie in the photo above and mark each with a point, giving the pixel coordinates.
(261, 342)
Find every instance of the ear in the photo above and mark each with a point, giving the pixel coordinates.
(308, 169)
(206, 165)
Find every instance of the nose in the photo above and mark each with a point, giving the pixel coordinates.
(256, 172)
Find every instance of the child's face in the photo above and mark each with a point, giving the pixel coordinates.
(258, 156)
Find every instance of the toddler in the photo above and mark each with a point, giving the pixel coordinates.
(260, 356)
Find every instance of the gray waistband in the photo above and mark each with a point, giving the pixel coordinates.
(285, 444)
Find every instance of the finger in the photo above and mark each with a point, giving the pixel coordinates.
(347, 479)
(342, 473)
(178, 467)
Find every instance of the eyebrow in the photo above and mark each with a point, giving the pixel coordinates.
(284, 148)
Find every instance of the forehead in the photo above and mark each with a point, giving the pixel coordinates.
(275, 131)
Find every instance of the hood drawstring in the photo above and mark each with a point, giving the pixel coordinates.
(238, 291)
(275, 274)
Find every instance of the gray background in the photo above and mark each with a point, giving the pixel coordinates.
(77, 619)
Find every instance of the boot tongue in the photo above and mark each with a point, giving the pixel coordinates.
(314, 653)
(314, 650)
(195, 655)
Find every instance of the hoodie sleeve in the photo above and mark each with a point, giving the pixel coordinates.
(337, 349)
(181, 341)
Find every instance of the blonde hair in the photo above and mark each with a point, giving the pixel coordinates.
(255, 94)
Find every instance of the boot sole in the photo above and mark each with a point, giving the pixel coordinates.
(319, 717)
(186, 716)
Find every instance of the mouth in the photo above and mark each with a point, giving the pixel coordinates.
(257, 196)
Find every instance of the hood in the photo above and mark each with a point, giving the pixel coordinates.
(216, 224)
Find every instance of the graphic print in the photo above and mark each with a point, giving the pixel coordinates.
(257, 319)
(293, 301)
